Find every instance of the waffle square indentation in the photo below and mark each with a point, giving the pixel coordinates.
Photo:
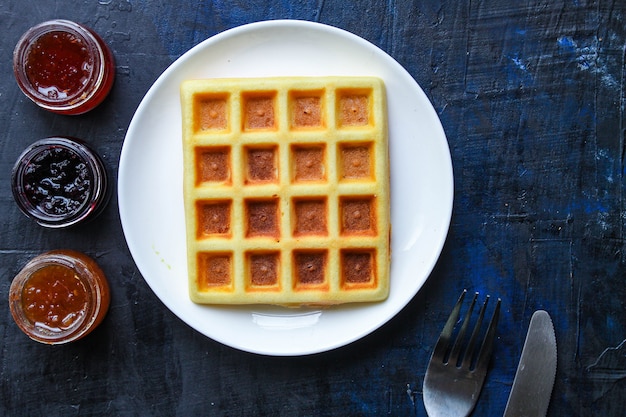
(213, 218)
(262, 218)
(211, 112)
(356, 161)
(310, 268)
(263, 269)
(259, 111)
(358, 216)
(309, 163)
(261, 164)
(306, 109)
(310, 217)
(358, 267)
(212, 164)
(353, 107)
(214, 269)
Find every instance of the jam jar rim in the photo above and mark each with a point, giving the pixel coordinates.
(89, 279)
(98, 195)
(95, 44)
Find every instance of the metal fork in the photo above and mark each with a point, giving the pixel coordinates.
(456, 373)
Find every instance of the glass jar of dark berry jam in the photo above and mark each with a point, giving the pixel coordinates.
(60, 182)
(63, 67)
(59, 296)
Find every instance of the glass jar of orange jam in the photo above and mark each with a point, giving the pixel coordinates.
(59, 296)
(63, 67)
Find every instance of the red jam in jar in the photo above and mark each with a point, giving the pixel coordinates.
(60, 182)
(64, 67)
(59, 296)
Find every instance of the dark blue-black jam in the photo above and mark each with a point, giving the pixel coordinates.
(60, 182)
(57, 181)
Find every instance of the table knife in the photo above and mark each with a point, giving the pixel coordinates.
(534, 379)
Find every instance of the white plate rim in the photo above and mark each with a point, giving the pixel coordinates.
(325, 329)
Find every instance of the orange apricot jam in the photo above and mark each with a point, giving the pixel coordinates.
(54, 298)
(59, 296)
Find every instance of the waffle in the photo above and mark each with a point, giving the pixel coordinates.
(286, 190)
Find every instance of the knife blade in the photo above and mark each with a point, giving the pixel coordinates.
(534, 379)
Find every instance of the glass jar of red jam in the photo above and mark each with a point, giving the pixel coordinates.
(63, 67)
(59, 296)
(60, 182)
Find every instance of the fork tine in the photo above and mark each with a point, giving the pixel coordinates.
(468, 358)
(456, 350)
(446, 334)
(451, 388)
(487, 346)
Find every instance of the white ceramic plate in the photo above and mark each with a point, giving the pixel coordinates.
(150, 184)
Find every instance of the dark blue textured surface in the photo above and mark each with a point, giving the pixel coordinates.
(531, 96)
